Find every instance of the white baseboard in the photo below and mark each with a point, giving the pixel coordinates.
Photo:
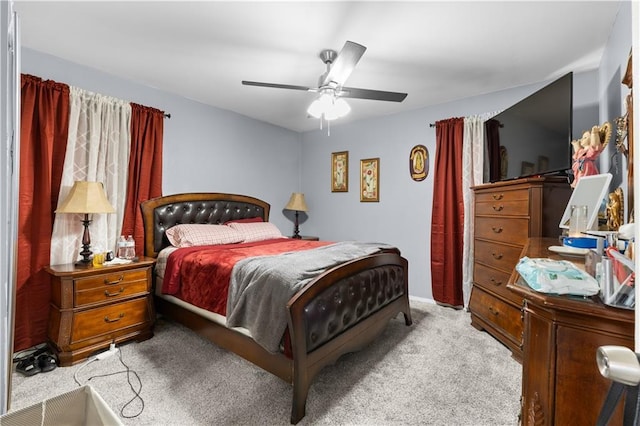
(422, 299)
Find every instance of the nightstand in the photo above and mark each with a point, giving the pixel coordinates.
(95, 306)
(309, 238)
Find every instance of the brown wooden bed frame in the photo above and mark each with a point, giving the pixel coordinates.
(341, 311)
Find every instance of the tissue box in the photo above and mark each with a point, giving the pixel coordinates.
(82, 406)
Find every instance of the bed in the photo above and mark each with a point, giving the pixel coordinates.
(341, 310)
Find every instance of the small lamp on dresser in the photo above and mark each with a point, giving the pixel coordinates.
(86, 198)
(297, 204)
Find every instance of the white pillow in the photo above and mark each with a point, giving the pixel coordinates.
(257, 231)
(190, 235)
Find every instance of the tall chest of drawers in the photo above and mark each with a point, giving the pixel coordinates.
(506, 215)
(93, 307)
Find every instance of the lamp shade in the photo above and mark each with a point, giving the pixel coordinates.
(86, 197)
(296, 202)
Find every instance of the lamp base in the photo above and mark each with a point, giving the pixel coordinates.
(86, 252)
(83, 264)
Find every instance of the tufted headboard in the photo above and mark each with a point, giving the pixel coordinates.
(161, 213)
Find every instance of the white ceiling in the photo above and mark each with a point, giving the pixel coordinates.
(434, 51)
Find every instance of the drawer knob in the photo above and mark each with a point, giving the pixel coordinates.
(497, 229)
(497, 256)
(106, 292)
(498, 208)
(498, 196)
(120, 278)
(107, 319)
(493, 311)
(493, 280)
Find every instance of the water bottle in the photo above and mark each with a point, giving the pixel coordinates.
(131, 248)
(122, 247)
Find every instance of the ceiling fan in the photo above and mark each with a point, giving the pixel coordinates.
(329, 104)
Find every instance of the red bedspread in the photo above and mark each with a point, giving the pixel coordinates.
(200, 275)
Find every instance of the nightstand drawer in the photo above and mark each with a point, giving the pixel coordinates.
(93, 307)
(95, 322)
(110, 279)
(110, 293)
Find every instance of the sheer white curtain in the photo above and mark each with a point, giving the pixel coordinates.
(472, 166)
(97, 150)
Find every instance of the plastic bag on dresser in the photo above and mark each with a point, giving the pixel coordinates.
(556, 277)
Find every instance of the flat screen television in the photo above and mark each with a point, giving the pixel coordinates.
(532, 137)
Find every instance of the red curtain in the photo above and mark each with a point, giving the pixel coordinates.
(145, 168)
(447, 225)
(44, 124)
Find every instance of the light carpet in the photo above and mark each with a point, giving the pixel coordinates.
(439, 371)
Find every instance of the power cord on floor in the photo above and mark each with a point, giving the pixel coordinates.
(128, 371)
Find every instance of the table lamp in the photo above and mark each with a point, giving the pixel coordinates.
(86, 198)
(297, 204)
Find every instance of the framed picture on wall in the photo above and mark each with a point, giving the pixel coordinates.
(419, 163)
(370, 179)
(340, 171)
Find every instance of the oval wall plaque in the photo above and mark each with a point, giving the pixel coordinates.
(419, 163)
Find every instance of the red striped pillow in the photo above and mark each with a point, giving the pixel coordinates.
(190, 235)
(257, 231)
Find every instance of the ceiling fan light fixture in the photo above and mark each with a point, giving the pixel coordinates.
(329, 107)
(341, 107)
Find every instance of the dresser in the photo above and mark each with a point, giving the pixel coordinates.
(561, 384)
(506, 215)
(92, 307)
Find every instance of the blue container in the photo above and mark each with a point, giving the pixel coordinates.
(580, 242)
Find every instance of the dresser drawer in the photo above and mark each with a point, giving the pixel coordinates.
(502, 208)
(94, 322)
(502, 196)
(504, 317)
(494, 281)
(512, 230)
(497, 255)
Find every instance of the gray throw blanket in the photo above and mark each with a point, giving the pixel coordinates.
(261, 286)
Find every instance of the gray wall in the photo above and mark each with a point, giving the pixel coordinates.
(205, 148)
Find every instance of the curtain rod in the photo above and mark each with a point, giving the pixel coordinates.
(167, 115)
(434, 125)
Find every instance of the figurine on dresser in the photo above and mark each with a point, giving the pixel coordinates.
(615, 210)
(587, 150)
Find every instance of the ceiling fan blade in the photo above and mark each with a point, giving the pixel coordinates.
(344, 64)
(377, 95)
(278, 86)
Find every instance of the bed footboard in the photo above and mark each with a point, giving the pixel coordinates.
(341, 311)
